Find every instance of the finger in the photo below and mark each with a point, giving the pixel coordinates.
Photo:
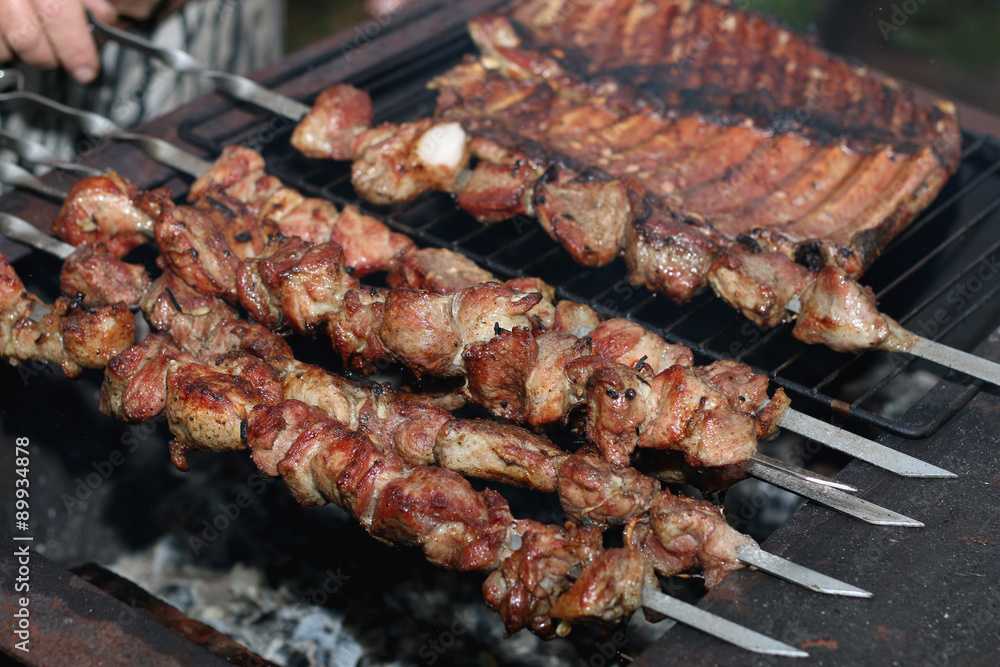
(68, 32)
(24, 34)
(5, 53)
(102, 9)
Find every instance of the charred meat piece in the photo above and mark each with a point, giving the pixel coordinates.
(531, 580)
(681, 534)
(689, 414)
(293, 282)
(396, 163)
(438, 510)
(591, 491)
(608, 590)
(63, 333)
(408, 425)
(437, 270)
(498, 452)
(173, 307)
(665, 253)
(104, 209)
(628, 343)
(585, 211)
(135, 381)
(429, 332)
(193, 246)
(207, 405)
(759, 285)
(340, 114)
(840, 313)
(102, 278)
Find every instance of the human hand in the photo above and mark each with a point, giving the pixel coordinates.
(52, 33)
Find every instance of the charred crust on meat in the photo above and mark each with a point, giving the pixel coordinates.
(243, 237)
(77, 301)
(221, 207)
(639, 217)
(811, 255)
(173, 300)
(749, 242)
(642, 362)
(243, 429)
(612, 394)
(498, 330)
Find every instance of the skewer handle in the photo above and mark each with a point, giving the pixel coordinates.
(238, 86)
(22, 231)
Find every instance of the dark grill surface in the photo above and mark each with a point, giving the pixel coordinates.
(937, 278)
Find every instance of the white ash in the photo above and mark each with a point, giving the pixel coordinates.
(432, 617)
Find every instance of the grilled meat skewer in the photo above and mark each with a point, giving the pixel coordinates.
(250, 173)
(441, 270)
(63, 332)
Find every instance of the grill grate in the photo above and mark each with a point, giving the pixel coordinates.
(937, 278)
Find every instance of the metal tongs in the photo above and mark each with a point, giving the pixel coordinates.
(238, 86)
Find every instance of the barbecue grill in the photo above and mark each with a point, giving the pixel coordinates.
(938, 278)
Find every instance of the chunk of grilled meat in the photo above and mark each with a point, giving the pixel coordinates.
(104, 209)
(608, 589)
(134, 387)
(339, 115)
(239, 172)
(531, 580)
(395, 163)
(63, 333)
(681, 534)
(103, 279)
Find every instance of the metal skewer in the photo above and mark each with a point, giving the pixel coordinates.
(835, 499)
(795, 573)
(859, 447)
(904, 340)
(103, 128)
(238, 86)
(36, 153)
(717, 626)
(781, 468)
(23, 231)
